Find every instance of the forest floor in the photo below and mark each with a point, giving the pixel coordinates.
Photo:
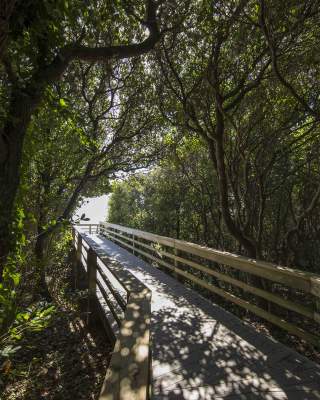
(66, 360)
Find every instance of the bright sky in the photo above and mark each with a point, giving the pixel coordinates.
(95, 208)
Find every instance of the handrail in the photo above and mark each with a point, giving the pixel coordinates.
(128, 372)
(292, 278)
(306, 281)
(88, 227)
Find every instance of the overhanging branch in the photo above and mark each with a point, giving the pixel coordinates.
(75, 51)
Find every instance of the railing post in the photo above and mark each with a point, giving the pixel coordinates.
(77, 258)
(175, 261)
(317, 311)
(90, 229)
(176, 275)
(73, 257)
(133, 245)
(92, 286)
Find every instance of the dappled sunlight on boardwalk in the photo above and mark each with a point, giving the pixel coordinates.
(200, 351)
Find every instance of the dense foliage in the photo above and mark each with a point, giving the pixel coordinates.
(242, 83)
(179, 198)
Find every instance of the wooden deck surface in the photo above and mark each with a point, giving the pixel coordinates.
(201, 351)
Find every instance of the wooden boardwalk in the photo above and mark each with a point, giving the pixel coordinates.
(201, 351)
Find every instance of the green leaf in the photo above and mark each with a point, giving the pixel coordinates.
(16, 278)
(62, 103)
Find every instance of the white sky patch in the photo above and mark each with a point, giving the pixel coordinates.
(95, 208)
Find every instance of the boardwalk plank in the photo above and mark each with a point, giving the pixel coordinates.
(201, 351)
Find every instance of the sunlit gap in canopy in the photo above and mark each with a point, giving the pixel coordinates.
(96, 208)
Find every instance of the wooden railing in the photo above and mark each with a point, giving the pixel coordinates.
(88, 228)
(109, 285)
(226, 275)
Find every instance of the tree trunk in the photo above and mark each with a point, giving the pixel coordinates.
(218, 159)
(40, 251)
(11, 143)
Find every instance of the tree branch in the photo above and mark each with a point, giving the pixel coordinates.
(75, 51)
(275, 66)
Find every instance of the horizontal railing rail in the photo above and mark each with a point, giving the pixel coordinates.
(88, 228)
(190, 261)
(128, 372)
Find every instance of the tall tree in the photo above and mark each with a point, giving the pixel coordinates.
(228, 92)
(43, 40)
(93, 127)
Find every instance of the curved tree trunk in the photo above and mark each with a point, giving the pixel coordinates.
(218, 158)
(40, 252)
(11, 142)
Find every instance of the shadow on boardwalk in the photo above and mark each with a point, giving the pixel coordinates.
(224, 360)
